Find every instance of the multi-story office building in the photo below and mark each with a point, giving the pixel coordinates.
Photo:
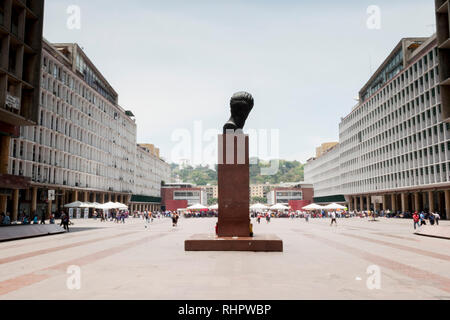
(182, 195)
(324, 148)
(20, 55)
(212, 191)
(324, 172)
(258, 191)
(299, 192)
(443, 48)
(151, 172)
(394, 150)
(84, 146)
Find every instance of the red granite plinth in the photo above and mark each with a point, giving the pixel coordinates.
(261, 243)
(233, 227)
(234, 186)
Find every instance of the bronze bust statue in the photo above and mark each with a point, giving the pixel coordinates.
(241, 105)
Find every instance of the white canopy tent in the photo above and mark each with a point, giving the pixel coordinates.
(259, 206)
(197, 207)
(279, 207)
(313, 207)
(112, 205)
(214, 207)
(335, 206)
(121, 206)
(76, 204)
(87, 205)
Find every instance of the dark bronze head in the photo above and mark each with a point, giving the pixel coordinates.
(241, 105)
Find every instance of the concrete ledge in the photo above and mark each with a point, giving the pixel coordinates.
(18, 232)
(442, 232)
(259, 243)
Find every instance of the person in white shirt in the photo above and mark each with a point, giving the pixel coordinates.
(437, 217)
(333, 218)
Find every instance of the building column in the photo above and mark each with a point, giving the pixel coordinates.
(57, 199)
(49, 209)
(63, 200)
(75, 196)
(431, 201)
(385, 203)
(361, 202)
(403, 196)
(5, 142)
(102, 198)
(15, 213)
(3, 203)
(33, 208)
(355, 203)
(417, 202)
(394, 203)
(85, 199)
(424, 200)
(447, 204)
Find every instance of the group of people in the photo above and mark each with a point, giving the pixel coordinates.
(420, 219)
(201, 214)
(5, 219)
(260, 216)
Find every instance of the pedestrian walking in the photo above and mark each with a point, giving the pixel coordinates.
(437, 217)
(174, 219)
(65, 221)
(422, 219)
(43, 218)
(333, 218)
(431, 218)
(6, 220)
(416, 219)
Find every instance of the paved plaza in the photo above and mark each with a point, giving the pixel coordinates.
(319, 262)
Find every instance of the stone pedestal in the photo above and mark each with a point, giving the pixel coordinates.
(234, 204)
(234, 186)
(259, 243)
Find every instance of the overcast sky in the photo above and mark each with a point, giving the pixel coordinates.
(174, 62)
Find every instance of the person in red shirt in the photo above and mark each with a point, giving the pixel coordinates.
(416, 219)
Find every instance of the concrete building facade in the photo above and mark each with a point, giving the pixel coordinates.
(84, 144)
(181, 196)
(324, 173)
(151, 171)
(324, 148)
(300, 192)
(394, 151)
(20, 55)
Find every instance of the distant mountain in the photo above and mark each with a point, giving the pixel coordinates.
(288, 171)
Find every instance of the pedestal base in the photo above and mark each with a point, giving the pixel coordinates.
(442, 232)
(259, 243)
(19, 232)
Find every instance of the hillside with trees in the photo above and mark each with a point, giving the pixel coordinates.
(289, 171)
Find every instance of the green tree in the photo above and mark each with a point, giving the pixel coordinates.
(213, 201)
(259, 200)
